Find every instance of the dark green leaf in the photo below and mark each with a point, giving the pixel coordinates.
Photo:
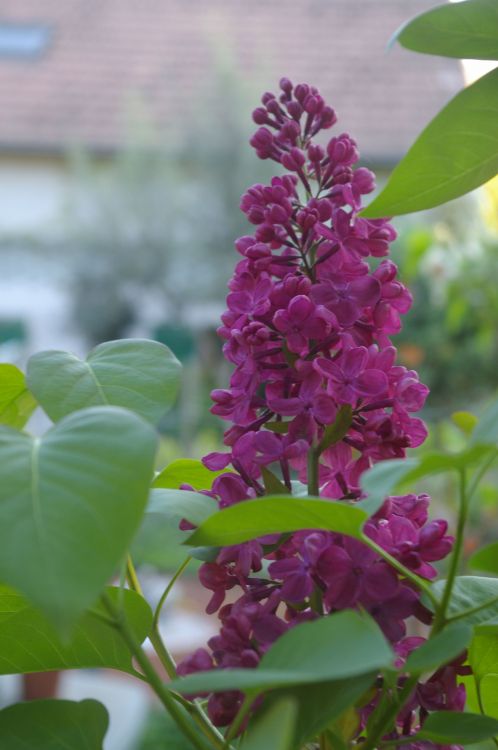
(273, 485)
(274, 729)
(70, 503)
(280, 513)
(53, 725)
(441, 165)
(470, 592)
(338, 429)
(186, 471)
(282, 428)
(447, 727)
(137, 374)
(439, 650)
(463, 30)
(30, 643)
(336, 647)
(486, 559)
(16, 402)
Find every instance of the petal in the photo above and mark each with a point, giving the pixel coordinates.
(354, 360)
(371, 383)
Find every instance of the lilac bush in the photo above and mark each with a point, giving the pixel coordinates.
(316, 394)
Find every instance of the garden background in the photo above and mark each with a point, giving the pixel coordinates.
(123, 154)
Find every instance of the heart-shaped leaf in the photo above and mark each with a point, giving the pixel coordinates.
(30, 643)
(276, 514)
(137, 374)
(440, 165)
(16, 402)
(53, 725)
(336, 647)
(463, 30)
(79, 489)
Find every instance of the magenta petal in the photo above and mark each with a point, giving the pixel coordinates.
(299, 309)
(371, 383)
(380, 582)
(353, 361)
(287, 407)
(324, 408)
(296, 588)
(328, 368)
(366, 290)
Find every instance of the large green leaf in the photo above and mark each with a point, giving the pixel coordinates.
(274, 730)
(137, 374)
(70, 503)
(441, 649)
(53, 725)
(336, 647)
(30, 643)
(275, 514)
(486, 430)
(463, 30)
(457, 152)
(186, 471)
(16, 402)
(447, 727)
(488, 689)
(470, 592)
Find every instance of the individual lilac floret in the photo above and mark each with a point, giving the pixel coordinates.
(307, 331)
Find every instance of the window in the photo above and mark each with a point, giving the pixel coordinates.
(22, 40)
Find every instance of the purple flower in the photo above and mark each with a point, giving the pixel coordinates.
(348, 378)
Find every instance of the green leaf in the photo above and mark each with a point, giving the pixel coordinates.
(485, 559)
(274, 729)
(446, 727)
(441, 649)
(463, 30)
(441, 165)
(486, 431)
(338, 429)
(272, 484)
(470, 592)
(70, 503)
(336, 647)
(276, 514)
(186, 471)
(321, 703)
(136, 374)
(16, 402)
(53, 725)
(175, 505)
(30, 643)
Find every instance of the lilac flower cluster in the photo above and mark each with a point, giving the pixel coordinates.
(308, 329)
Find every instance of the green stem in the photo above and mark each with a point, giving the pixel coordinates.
(178, 713)
(154, 636)
(419, 582)
(388, 716)
(313, 464)
(167, 590)
(165, 657)
(440, 618)
(241, 715)
(480, 473)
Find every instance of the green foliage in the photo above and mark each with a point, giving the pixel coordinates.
(465, 30)
(186, 471)
(274, 514)
(337, 647)
(442, 648)
(448, 727)
(470, 593)
(53, 725)
(139, 375)
(16, 402)
(275, 728)
(30, 643)
(440, 166)
(485, 559)
(80, 488)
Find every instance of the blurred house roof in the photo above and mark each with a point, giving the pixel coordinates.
(72, 81)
